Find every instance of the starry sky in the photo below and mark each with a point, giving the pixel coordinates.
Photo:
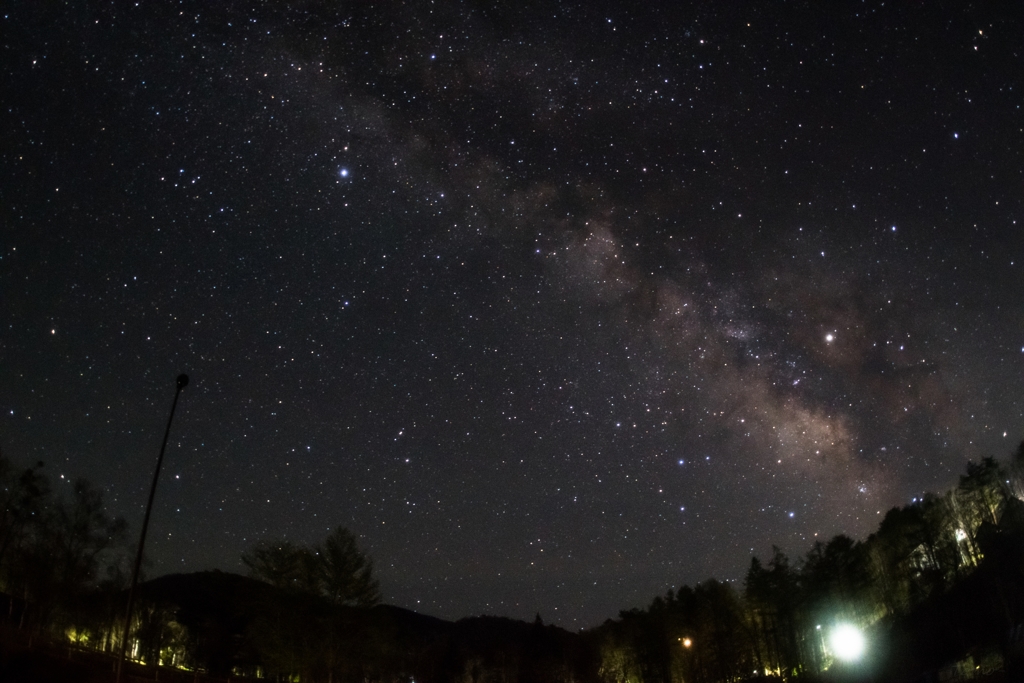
(555, 306)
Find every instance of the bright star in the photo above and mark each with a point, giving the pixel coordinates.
(343, 173)
(829, 338)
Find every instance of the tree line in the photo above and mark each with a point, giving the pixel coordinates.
(940, 580)
(55, 547)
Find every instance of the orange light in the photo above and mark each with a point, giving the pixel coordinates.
(687, 642)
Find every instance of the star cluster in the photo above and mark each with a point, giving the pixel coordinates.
(555, 307)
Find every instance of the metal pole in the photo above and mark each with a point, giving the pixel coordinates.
(182, 383)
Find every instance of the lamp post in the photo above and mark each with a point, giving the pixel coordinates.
(181, 384)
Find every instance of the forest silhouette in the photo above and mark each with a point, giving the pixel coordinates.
(937, 590)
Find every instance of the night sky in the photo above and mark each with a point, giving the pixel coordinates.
(555, 307)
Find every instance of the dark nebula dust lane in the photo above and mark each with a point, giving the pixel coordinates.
(555, 308)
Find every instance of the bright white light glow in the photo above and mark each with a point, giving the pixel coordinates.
(847, 642)
(829, 338)
(343, 173)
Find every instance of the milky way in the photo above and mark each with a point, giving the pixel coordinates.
(556, 308)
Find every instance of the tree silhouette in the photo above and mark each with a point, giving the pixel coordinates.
(346, 574)
(23, 495)
(335, 569)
